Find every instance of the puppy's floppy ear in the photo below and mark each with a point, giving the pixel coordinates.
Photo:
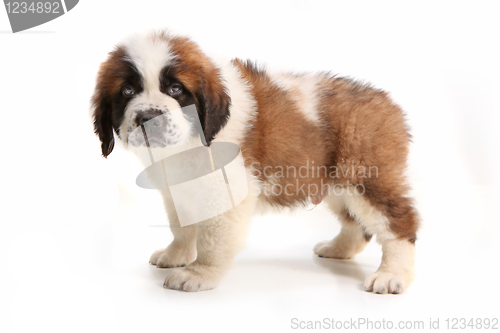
(214, 103)
(109, 82)
(103, 125)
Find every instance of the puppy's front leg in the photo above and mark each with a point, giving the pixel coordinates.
(218, 240)
(182, 251)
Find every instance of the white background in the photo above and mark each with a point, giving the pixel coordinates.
(76, 232)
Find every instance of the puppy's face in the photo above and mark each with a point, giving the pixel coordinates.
(144, 84)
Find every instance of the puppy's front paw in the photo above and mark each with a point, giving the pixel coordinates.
(382, 282)
(334, 249)
(172, 257)
(189, 280)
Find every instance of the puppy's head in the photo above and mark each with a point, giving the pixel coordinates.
(146, 80)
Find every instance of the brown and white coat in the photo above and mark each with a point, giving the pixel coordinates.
(349, 139)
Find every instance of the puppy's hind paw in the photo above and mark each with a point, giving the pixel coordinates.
(386, 283)
(331, 249)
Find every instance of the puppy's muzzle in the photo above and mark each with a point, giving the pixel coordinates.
(155, 124)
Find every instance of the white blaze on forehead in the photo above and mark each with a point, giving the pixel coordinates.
(150, 54)
(303, 89)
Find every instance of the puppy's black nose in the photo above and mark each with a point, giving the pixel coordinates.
(145, 116)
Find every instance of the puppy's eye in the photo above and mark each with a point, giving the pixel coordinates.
(128, 91)
(175, 89)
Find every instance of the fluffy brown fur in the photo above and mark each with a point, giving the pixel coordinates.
(360, 128)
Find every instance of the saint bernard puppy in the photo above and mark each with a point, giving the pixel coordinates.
(304, 138)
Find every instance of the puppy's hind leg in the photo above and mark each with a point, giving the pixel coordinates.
(394, 221)
(396, 270)
(352, 238)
